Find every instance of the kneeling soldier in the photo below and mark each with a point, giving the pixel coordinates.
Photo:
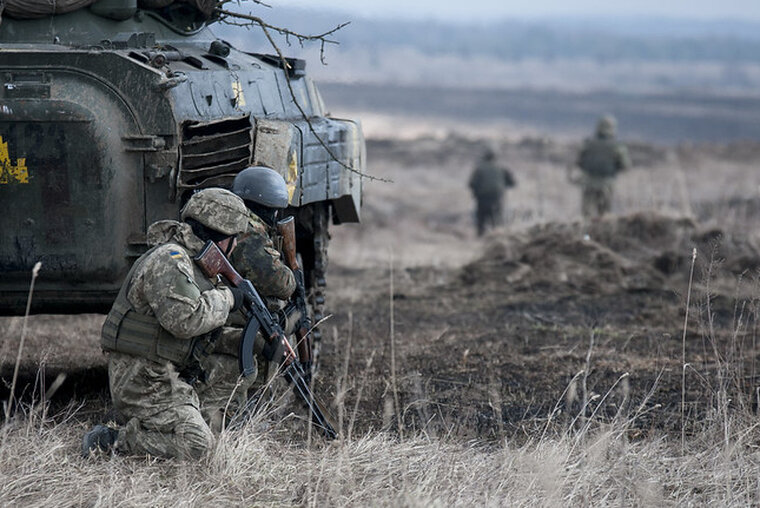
(161, 329)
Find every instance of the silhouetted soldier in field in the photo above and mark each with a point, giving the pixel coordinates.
(488, 183)
(601, 159)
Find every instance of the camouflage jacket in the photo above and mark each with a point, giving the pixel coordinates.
(602, 158)
(257, 259)
(168, 285)
(490, 180)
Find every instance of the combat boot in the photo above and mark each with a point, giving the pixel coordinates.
(100, 437)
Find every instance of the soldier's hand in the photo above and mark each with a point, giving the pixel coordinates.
(242, 299)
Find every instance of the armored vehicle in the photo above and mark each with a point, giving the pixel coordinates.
(113, 114)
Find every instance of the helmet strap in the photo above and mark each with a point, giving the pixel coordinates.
(230, 246)
(265, 213)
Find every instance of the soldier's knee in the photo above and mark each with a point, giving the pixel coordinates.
(197, 440)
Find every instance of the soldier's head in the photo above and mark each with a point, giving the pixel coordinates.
(606, 127)
(263, 190)
(489, 155)
(217, 215)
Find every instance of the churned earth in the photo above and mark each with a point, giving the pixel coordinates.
(563, 320)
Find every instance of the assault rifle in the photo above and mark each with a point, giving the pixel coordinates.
(287, 229)
(213, 263)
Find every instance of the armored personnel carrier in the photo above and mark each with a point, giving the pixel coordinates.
(113, 114)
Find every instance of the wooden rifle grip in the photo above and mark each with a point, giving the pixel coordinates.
(213, 262)
(287, 229)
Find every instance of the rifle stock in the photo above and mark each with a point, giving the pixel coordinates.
(287, 229)
(213, 262)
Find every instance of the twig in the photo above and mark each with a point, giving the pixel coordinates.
(683, 353)
(265, 27)
(587, 369)
(556, 405)
(35, 272)
(589, 420)
(343, 381)
(259, 2)
(238, 384)
(359, 395)
(60, 378)
(284, 31)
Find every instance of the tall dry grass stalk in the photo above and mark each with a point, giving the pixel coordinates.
(683, 350)
(9, 405)
(394, 380)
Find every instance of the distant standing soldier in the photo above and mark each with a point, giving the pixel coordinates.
(601, 159)
(488, 183)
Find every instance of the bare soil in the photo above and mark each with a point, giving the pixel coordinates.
(496, 346)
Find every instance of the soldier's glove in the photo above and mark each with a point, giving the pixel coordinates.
(193, 373)
(242, 299)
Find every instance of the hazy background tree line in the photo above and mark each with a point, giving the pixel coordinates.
(635, 54)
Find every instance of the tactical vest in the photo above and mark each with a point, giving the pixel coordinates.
(599, 158)
(127, 331)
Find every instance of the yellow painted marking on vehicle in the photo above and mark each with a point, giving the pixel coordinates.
(10, 174)
(237, 90)
(292, 175)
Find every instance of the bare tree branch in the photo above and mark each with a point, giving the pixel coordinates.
(322, 38)
(284, 31)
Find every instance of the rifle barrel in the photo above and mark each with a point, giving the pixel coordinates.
(318, 417)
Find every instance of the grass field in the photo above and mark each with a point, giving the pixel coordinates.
(533, 367)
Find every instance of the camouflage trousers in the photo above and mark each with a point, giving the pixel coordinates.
(166, 416)
(596, 198)
(489, 213)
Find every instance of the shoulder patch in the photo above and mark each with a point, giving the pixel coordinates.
(185, 285)
(175, 254)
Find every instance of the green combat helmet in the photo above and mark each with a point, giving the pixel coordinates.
(606, 127)
(217, 209)
(488, 155)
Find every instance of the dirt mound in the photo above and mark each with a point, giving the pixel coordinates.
(643, 251)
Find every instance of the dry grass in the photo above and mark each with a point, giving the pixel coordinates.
(40, 466)
(577, 460)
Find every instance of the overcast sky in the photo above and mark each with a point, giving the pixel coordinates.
(468, 10)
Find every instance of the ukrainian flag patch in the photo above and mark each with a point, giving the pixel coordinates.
(175, 254)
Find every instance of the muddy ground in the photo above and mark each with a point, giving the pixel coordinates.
(548, 315)
(435, 330)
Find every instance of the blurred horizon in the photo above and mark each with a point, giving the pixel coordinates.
(625, 54)
(742, 24)
(668, 80)
(498, 10)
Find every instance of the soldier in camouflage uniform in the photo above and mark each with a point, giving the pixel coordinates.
(601, 159)
(488, 183)
(161, 331)
(257, 257)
